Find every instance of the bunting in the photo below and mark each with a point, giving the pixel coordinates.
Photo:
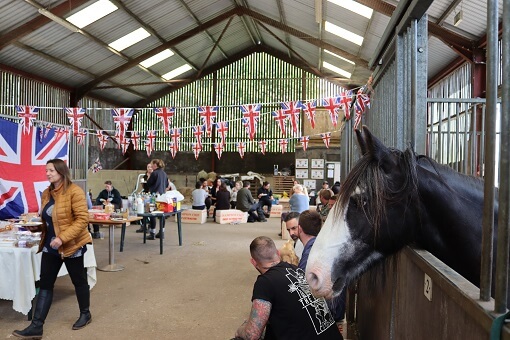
(28, 113)
(309, 108)
(360, 106)
(262, 145)
(173, 148)
(241, 147)
(292, 110)
(121, 118)
(304, 142)
(124, 145)
(333, 107)
(103, 139)
(96, 166)
(80, 136)
(198, 131)
(175, 136)
(222, 129)
(283, 144)
(208, 115)
(135, 139)
(149, 143)
(345, 103)
(41, 132)
(47, 130)
(251, 114)
(196, 149)
(281, 118)
(75, 116)
(326, 137)
(218, 147)
(166, 116)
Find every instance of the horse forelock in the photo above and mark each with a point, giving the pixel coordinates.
(377, 187)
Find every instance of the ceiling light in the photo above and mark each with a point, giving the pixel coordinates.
(58, 20)
(178, 71)
(157, 58)
(355, 7)
(458, 18)
(343, 33)
(336, 69)
(129, 39)
(340, 57)
(92, 13)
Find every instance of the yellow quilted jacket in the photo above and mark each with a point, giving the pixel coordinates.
(70, 218)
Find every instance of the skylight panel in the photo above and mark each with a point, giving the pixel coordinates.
(92, 13)
(343, 33)
(178, 71)
(340, 57)
(336, 69)
(129, 39)
(355, 7)
(157, 58)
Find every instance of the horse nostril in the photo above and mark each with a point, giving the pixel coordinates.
(313, 281)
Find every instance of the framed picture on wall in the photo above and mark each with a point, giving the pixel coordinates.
(317, 174)
(317, 163)
(309, 183)
(301, 173)
(301, 163)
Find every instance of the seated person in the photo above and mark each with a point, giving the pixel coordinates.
(109, 194)
(246, 203)
(222, 199)
(265, 195)
(199, 195)
(323, 207)
(284, 313)
(233, 194)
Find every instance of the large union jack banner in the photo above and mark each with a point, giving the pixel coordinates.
(23, 159)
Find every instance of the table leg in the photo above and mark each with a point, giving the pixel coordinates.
(145, 222)
(161, 232)
(112, 266)
(179, 230)
(122, 236)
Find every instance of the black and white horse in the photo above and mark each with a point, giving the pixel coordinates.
(390, 199)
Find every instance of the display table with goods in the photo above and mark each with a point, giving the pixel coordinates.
(20, 265)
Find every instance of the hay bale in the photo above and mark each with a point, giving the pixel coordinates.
(211, 176)
(186, 192)
(202, 174)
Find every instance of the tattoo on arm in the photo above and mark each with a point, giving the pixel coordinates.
(259, 316)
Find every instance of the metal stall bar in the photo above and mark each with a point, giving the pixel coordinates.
(504, 179)
(490, 137)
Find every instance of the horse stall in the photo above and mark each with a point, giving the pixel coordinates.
(413, 294)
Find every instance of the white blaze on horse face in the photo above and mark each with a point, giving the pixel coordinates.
(333, 235)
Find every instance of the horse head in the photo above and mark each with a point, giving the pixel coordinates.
(370, 219)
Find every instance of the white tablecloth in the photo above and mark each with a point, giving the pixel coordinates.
(20, 269)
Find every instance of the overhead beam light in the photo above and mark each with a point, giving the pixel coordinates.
(343, 33)
(355, 7)
(92, 13)
(177, 72)
(336, 69)
(58, 20)
(129, 39)
(340, 57)
(157, 58)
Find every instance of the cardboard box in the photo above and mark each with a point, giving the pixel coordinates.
(276, 210)
(231, 216)
(193, 216)
(211, 211)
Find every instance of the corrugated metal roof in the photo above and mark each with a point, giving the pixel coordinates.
(53, 52)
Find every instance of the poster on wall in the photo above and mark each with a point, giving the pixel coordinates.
(309, 183)
(23, 157)
(301, 173)
(317, 174)
(317, 163)
(301, 163)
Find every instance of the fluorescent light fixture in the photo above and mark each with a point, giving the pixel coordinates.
(336, 69)
(178, 71)
(340, 57)
(92, 13)
(458, 18)
(58, 20)
(130, 39)
(157, 58)
(343, 33)
(355, 7)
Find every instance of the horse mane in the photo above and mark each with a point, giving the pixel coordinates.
(376, 186)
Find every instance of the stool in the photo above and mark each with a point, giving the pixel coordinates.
(276, 210)
(193, 216)
(231, 215)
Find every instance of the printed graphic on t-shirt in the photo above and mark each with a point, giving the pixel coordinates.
(317, 309)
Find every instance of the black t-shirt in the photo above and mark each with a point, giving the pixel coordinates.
(295, 312)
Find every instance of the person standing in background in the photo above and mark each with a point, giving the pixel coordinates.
(157, 184)
(64, 239)
(145, 178)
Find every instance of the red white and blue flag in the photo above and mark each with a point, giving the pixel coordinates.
(222, 129)
(262, 145)
(281, 118)
(124, 144)
(196, 149)
(326, 137)
(345, 103)
(28, 115)
(175, 136)
(135, 139)
(23, 166)
(166, 116)
(208, 116)
(173, 148)
(283, 144)
(80, 136)
(251, 114)
(241, 146)
(150, 142)
(103, 139)
(292, 110)
(198, 131)
(309, 108)
(333, 107)
(75, 116)
(218, 147)
(304, 142)
(121, 118)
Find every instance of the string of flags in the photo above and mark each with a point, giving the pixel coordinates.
(352, 103)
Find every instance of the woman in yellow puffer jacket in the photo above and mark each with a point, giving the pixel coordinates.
(64, 239)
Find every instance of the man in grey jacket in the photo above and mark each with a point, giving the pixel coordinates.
(246, 203)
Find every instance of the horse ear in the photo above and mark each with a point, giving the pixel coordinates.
(378, 150)
(361, 141)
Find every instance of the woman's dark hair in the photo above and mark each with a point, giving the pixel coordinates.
(198, 184)
(62, 168)
(223, 186)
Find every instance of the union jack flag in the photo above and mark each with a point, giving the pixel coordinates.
(173, 148)
(28, 113)
(262, 145)
(96, 166)
(283, 144)
(281, 118)
(241, 146)
(326, 137)
(23, 166)
(41, 132)
(292, 110)
(149, 143)
(222, 129)
(103, 139)
(251, 114)
(208, 115)
(165, 115)
(175, 136)
(124, 144)
(218, 147)
(75, 116)
(135, 139)
(309, 108)
(304, 142)
(80, 136)
(198, 131)
(47, 129)
(119, 139)
(360, 106)
(196, 149)
(333, 107)
(345, 103)
(121, 118)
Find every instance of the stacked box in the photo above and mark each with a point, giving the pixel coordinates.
(193, 216)
(231, 216)
(276, 210)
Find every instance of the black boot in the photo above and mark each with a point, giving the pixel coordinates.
(35, 330)
(83, 296)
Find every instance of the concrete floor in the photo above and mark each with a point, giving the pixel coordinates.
(200, 290)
